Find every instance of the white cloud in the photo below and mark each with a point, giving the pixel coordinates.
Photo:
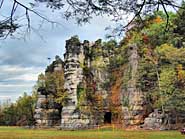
(5, 97)
(15, 79)
(26, 77)
(18, 73)
(13, 86)
(17, 69)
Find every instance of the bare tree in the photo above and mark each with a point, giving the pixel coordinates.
(84, 10)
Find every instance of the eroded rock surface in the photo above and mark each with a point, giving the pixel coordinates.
(47, 111)
(97, 92)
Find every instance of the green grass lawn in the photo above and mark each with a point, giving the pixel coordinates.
(20, 133)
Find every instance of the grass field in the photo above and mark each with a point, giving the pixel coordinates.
(20, 133)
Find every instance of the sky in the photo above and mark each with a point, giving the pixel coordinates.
(21, 60)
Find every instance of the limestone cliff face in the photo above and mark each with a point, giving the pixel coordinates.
(47, 111)
(85, 73)
(73, 71)
(136, 109)
(94, 97)
(101, 94)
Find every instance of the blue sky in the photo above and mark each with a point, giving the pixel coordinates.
(21, 60)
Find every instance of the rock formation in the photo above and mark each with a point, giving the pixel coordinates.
(100, 88)
(90, 101)
(137, 109)
(83, 83)
(73, 72)
(47, 111)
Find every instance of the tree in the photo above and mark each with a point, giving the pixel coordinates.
(10, 115)
(25, 109)
(180, 27)
(167, 80)
(19, 113)
(84, 10)
(60, 93)
(40, 81)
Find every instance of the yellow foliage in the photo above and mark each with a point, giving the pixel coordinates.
(98, 63)
(180, 72)
(168, 52)
(158, 19)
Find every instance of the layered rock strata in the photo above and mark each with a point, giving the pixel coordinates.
(136, 110)
(47, 111)
(91, 98)
(73, 73)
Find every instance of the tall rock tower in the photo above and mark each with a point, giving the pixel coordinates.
(73, 73)
(136, 110)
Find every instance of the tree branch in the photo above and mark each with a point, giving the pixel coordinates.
(11, 26)
(137, 14)
(167, 15)
(1, 3)
(28, 9)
